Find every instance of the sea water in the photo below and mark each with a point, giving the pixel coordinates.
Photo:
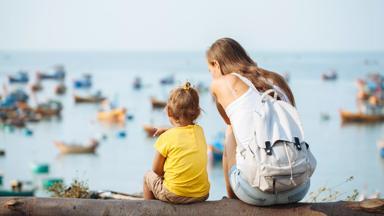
(120, 163)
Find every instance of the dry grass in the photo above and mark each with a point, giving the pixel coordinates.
(77, 189)
(330, 194)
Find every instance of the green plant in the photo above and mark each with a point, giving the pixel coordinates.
(77, 189)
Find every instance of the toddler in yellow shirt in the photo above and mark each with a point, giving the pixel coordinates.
(179, 170)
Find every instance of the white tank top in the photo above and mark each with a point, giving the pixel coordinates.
(240, 112)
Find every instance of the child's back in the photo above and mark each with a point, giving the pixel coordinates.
(185, 169)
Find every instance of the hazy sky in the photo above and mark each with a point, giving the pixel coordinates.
(269, 25)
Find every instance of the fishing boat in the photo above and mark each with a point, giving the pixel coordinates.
(59, 74)
(11, 193)
(332, 75)
(137, 83)
(83, 82)
(36, 87)
(97, 98)
(157, 104)
(151, 130)
(115, 115)
(215, 150)
(169, 80)
(17, 190)
(49, 109)
(347, 116)
(64, 148)
(20, 77)
(60, 89)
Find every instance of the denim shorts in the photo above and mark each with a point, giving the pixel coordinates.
(254, 196)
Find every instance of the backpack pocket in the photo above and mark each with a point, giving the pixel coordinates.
(285, 169)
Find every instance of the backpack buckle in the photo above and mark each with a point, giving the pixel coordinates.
(297, 144)
(268, 148)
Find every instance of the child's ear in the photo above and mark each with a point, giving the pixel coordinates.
(169, 112)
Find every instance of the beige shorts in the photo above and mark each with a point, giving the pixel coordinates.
(155, 184)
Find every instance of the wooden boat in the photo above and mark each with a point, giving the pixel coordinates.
(89, 99)
(60, 89)
(36, 87)
(49, 109)
(16, 122)
(347, 116)
(157, 104)
(77, 149)
(332, 75)
(115, 115)
(151, 130)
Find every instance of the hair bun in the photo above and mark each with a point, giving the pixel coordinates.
(187, 86)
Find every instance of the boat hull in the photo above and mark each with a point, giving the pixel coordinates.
(347, 116)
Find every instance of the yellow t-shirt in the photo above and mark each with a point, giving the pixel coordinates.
(185, 168)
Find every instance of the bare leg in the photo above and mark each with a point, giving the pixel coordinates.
(148, 195)
(229, 159)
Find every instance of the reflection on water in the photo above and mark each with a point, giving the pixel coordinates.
(341, 150)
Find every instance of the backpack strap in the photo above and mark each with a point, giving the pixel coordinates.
(245, 80)
(269, 91)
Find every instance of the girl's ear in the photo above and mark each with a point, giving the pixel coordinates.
(216, 65)
(168, 110)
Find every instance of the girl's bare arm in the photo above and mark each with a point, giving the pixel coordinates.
(222, 113)
(158, 164)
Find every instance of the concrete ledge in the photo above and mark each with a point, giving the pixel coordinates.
(69, 206)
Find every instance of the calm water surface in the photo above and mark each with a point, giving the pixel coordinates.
(341, 150)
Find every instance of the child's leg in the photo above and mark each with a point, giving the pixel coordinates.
(229, 159)
(148, 195)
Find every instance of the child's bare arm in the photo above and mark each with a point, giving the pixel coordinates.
(160, 130)
(158, 164)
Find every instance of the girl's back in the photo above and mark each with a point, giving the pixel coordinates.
(185, 169)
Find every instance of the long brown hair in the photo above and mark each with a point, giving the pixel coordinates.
(232, 57)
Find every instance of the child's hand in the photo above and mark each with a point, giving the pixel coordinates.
(159, 131)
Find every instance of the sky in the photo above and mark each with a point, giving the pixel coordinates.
(174, 25)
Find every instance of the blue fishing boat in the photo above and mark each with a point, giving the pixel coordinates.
(169, 80)
(20, 77)
(84, 82)
(11, 99)
(56, 75)
(217, 147)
